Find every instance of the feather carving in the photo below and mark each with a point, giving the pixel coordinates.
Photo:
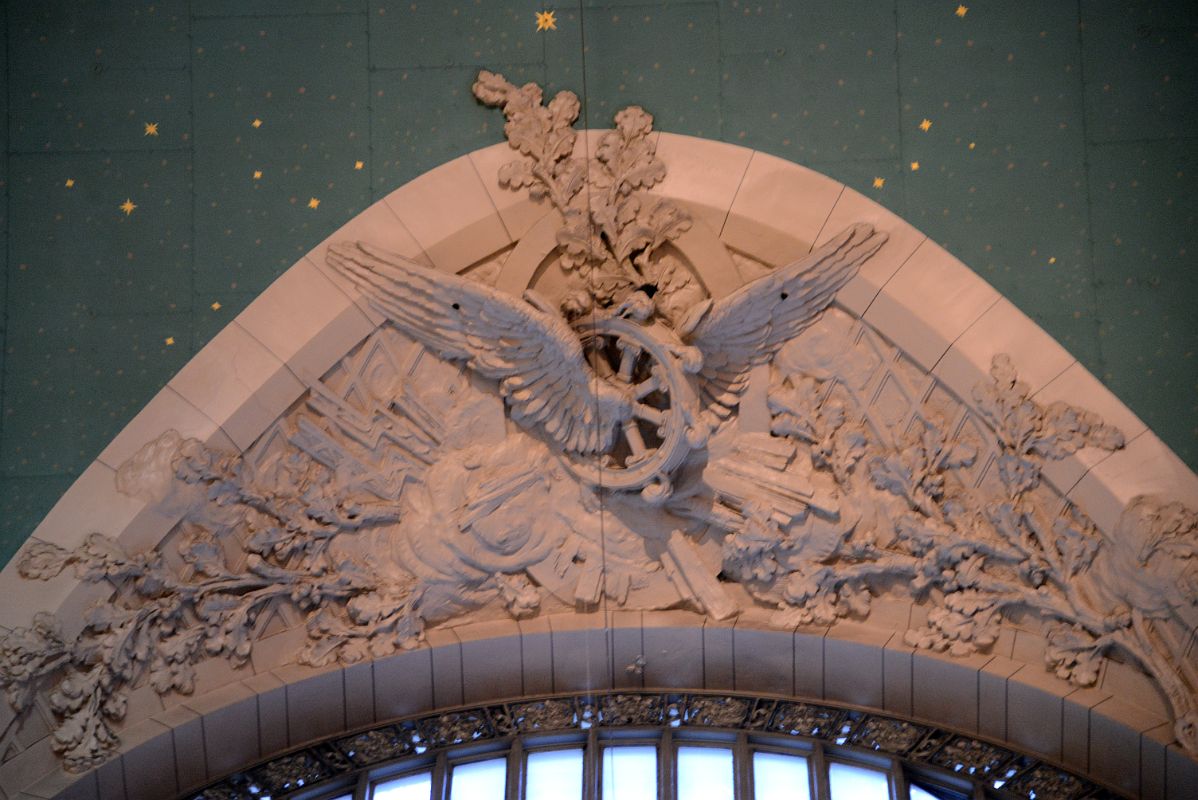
(534, 355)
(748, 327)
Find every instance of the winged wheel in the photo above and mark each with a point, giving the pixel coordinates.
(625, 397)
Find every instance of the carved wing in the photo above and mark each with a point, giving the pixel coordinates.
(534, 355)
(748, 326)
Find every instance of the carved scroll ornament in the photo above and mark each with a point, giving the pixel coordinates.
(480, 452)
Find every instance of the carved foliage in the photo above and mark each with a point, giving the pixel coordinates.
(612, 239)
(396, 497)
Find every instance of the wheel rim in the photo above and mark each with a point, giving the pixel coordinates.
(649, 445)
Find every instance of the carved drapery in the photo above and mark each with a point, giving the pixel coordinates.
(433, 475)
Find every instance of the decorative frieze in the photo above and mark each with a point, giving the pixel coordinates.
(483, 454)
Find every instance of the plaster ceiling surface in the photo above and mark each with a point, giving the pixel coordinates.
(1057, 160)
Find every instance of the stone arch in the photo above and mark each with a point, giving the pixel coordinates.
(765, 211)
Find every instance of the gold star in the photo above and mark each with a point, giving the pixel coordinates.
(151, 129)
(70, 182)
(879, 183)
(926, 125)
(359, 164)
(914, 166)
(546, 21)
(215, 306)
(1052, 259)
(257, 174)
(169, 340)
(257, 123)
(313, 203)
(128, 206)
(962, 11)
(972, 145)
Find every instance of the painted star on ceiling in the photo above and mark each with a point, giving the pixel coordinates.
(879, 183)
(128, 206)
(313, 202)
(546, 21)
(962, 11)
(926, 125)
(151, 129)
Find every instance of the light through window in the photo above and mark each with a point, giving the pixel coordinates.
(850, 782)
(409, 787)
(780, 777)
(704, 773)
(479, 780)
(630, 773)
(554, 775)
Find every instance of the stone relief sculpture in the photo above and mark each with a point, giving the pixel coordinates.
(481, 453)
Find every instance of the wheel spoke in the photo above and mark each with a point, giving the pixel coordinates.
(628, 357)
(648, 386)
(649, 414)
(632, 433)
(599, 363)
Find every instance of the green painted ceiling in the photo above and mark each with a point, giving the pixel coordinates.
(1060, 163)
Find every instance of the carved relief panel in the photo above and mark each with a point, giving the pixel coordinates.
(623, 434)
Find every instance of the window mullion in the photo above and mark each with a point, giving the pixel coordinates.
(591, 786)
(362, 787)
(898, 780)
(820, 786)
(515, 770)
(665, 766)
(441, 777)
(742, 768)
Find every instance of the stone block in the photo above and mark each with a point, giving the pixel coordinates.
(931, 300)
(450, 214)
(1076, 386)
(239, 384)
(166, 411)
(306, 321)
(702, 174)
(491, 660)
(516, 209)
(673, 642)
(536, 654)
(779, 210)
(763, 660)
(403, 684)
(853, 207)
(446, 652)
(1003, 328)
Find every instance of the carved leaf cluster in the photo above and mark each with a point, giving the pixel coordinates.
(611, 232)
(372, 511)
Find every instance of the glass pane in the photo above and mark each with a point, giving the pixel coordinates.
(858, 783)
(480, 780)
(554, 775)
(409, 787)
(779, 777)
(630, 773)
(704, 773)
(919, 793)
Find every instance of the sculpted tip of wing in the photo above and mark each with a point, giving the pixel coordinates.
(535, 356)
(748, 326)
